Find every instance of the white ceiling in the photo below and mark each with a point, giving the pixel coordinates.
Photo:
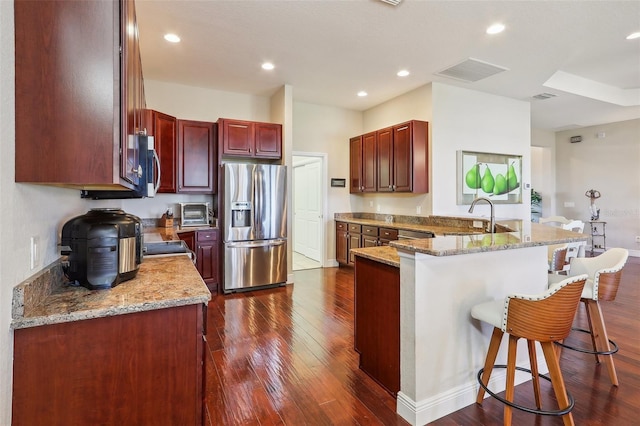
(328, 50)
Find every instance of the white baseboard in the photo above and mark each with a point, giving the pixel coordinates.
(290, 278)
(430, 409)
(634, 253)
(332, 263)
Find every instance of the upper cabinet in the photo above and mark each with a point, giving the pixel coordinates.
(363, 163)
(163, 128)
(239, 138)
(400, 159)
(196, 157)
(78, 92)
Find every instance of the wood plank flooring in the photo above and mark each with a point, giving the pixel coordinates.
(285, 356)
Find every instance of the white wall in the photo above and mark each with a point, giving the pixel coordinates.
(197, 103)
(609, 165)
(543, 168)
(324, 129)
(475, 121)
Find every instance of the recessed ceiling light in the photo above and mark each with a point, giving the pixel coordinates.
(633, 36)
(172, 38)
(495, 28)
(403, 73)
(268, 66)
(362, 93)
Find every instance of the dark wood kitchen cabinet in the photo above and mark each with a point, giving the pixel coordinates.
(204, 243)
(362, 169)
(399, 162)
(163, 128)
(240, 138)
(143, 368)
(342, 243)
(78, 93)
(377, 321)
(196, 157)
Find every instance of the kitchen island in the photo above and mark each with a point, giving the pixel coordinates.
(132, 354)
(440, 279)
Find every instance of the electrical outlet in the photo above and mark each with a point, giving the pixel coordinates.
(478, 224)
(33, 251)
(378, 208)
(569, 204)
(370, 203)
(638, 239)
(419, 210)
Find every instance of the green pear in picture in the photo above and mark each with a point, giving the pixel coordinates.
(512, 179)
(501, 185)
(472, 178)
(487, 181)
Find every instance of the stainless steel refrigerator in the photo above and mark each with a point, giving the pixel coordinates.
(255, 225)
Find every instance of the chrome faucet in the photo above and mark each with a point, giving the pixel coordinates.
(493, 217)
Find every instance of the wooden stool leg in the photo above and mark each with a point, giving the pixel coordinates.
(535, 379)
(591, 330)
(556, 380)
(492, 353)
(602, 338)
(511, 377)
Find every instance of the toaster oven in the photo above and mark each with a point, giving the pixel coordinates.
(194, 214)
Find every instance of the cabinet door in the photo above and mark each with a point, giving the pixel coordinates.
(342, 243)
(167, 149)
(130, 68)
(268, 140)
(369, 162)
(354, 242)
(402, 158)
(65, 134)
(207, 251)
(385, 160)
(237, 137)
(355, 164)
(196, 173)
(369, 241)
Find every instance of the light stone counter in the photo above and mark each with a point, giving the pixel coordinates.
(531, 235)
(383, 254)
(161, 282)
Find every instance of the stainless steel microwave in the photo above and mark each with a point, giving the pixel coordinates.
(194, 214)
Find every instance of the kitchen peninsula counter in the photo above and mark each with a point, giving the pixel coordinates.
(425, 292)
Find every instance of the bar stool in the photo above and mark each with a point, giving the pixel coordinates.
(604, 273)
(556, 256)
(545, 318)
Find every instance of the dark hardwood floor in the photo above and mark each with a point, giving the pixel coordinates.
(285, 356)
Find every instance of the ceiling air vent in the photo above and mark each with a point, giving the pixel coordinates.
(543, 96)
(471, 70)
(392, 2)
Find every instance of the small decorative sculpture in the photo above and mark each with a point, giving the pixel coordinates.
(593, 195)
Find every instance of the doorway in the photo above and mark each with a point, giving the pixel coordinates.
(308, 210)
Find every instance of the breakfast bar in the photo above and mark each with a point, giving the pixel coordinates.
(441, 348)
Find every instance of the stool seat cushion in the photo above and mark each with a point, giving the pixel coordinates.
(492, 312)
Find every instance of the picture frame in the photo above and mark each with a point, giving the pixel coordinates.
(497, 177)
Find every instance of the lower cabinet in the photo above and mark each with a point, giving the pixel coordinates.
(377, 321)
(143, 368)
(204, 243)
(351, 235)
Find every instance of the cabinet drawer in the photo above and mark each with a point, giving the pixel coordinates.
(355, 228)
(388, 234)
(370, 230)
(341, 226)
(204, 236)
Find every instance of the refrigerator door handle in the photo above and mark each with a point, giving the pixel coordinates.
(251, 244)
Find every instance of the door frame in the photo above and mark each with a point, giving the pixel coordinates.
(323, 156)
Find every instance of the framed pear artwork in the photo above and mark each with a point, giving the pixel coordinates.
(495, 176)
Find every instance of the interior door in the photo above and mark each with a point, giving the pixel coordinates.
(308, 209)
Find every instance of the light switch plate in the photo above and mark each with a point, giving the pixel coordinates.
(477, 224)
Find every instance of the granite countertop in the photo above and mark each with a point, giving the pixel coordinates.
(382, 254)
(537, 235)
(438, 225)
(161, 282)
